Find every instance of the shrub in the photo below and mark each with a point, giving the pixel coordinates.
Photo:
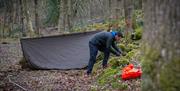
(138, 33)
(115, 62)
(106, 76)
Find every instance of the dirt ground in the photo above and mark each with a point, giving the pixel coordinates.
(14, 78)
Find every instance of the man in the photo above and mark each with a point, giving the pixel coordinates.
(104, 42)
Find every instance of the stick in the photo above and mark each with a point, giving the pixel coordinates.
(16, 84)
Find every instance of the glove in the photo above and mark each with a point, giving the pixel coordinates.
(118, 54)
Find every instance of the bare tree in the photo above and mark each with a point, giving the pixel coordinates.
(4, 19)
(161, 60)
(128, 11)
(22, 20)
(8, 18)
(27, 18)
(36, 17)
(61, 24)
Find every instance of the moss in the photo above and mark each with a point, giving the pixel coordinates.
(119, 86)
(138, 33)
(97, 66)
(159, 74)
(131, 54)
(170, 75)
(106, 76)
(124, 61)
(149, 59)
(133, 46)
(23, 63)
(122, 46)
(115, 62)
(98, 63)
(136, 43)
(150, 56)
(128, 49)
(108, 83)
(124, 53)
(100, 57)
(99, 26)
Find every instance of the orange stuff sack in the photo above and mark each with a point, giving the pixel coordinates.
(130, 72)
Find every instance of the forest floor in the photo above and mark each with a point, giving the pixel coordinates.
(15, 78)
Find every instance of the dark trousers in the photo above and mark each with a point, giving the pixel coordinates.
(93, 53)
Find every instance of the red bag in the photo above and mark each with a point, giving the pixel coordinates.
(130, 72)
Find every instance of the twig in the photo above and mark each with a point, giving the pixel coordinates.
(16, 84)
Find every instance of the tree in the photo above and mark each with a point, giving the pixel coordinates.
(36, 17)
(69, 11)
(161, 39)
(128, 11)
(8, 17)
(27, 18)
(53, 12)
(69, 16)
(61, 24)
(116, 8)
(22, 20)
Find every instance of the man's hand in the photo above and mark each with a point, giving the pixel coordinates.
(118, 54)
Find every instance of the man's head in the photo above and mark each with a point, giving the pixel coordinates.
(118, 36)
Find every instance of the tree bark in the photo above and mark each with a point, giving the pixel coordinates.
(7, 19)
(120, 9)
(66, 12)
(28, 18)
(22, 20)
(161, 51)
(128, 11)
(61, 23)
(4, 24)
(11, 17)
(69, 15)
(36, 17)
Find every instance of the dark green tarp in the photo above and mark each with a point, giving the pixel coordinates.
(69, 51)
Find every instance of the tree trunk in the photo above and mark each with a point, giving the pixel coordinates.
(119, 9)
(140, 4)
(106, 9)
(128, 11)
(11, 17)
(161, 51)
(18, 17)
(28, 18)
(91, 10)
(61, 23)
(69, 15)
(4, 19)
(36, 17)
(9, 7)
(22, 20)
(4, 24)
(110, 10)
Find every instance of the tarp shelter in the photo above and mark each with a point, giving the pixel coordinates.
(69, 51)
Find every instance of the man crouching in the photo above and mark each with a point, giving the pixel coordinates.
(104, 42)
